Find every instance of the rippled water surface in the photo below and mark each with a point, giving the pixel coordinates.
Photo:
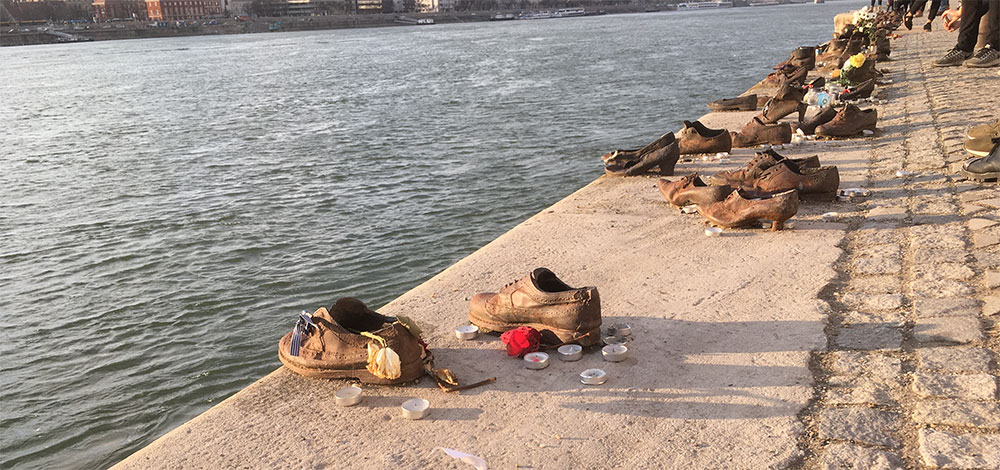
(168, 205)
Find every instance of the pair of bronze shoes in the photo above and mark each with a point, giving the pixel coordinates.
(659, 156)
(731, 207)
(767, 172)
(763, 189)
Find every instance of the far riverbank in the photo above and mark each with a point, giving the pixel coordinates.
(149, 29)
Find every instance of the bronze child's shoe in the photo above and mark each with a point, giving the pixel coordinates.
(741, 103)
(696, 138)
(849, 122)
(691, 189)
(562, 314)
(824, 116)
(329, 344)
(743, 207)
(756, 166)
(756, 133)
(663, 159)
(819, 184)
(862, 90)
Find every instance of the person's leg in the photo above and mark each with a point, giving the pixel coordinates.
(968, 33)
(935, 6)
(994, 33)
(915, 6)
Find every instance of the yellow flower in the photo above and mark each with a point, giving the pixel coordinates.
(857, 60)
(835, 74)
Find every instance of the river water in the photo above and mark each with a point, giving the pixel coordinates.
(167, 206)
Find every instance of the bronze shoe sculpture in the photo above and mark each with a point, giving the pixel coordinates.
(818, 184)
(621, 156)
(696, 138)
(860, 91)
(824, 116)
(664, 159)
(756, 132)
(562, 314)
(740, 103)
(834, 49)
(849, 122)
(804, 56)
(775, 109)
(691, 189)
(741, 208)
(328, 344)
(756, 166)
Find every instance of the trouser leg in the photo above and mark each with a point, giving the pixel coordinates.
(994, 18)
(935, 6)
(968, 33)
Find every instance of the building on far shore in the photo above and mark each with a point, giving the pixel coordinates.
(182, 9)
(105, 10)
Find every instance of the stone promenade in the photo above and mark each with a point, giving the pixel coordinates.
(909, 375)
(868, 342)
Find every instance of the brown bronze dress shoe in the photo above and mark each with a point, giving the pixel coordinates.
(621, 156)
(833, 51)
(818, 184)
(775, 109)
(696, 138)
(691, 189)
(849, 122)
(743, 207)
(328, 344)
(741, 103)
(562, 314)
(757, 132)
(663, 159)
(824, 116)
(756, 166)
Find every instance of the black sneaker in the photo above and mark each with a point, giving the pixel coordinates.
(986, 57)
(927, 26)
(954, 57)
(908, 22)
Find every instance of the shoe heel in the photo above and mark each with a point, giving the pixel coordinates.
(777, 225)
(802, 112)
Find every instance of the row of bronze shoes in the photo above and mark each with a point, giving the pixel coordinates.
(768, 188)
(350, 340)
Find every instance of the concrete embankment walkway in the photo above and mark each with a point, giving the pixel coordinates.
(828, 344)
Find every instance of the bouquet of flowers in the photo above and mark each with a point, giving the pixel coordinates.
(847, 75)
(865, 20)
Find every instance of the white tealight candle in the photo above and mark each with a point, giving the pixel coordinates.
(570, 352)
(348, 396)
(713, 232)
(620, 329)
(830, 216)
(615, 352)
(536, 360)
(467, 332)
(415, 408)
(593, 377)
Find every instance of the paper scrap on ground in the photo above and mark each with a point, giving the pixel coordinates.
(470, 459)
